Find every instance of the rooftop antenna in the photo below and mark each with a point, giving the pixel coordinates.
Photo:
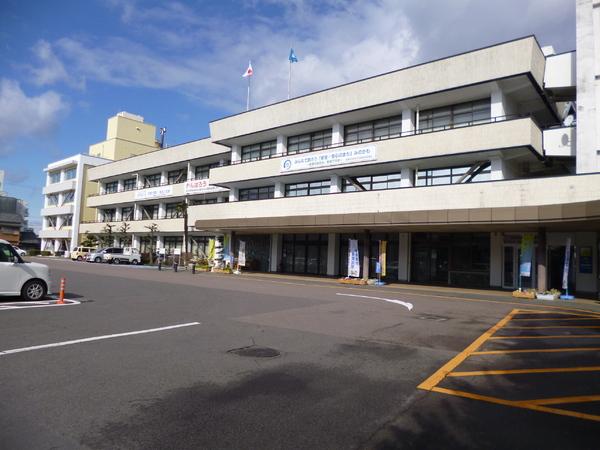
(163, 131)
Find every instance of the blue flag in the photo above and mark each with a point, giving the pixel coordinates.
(292, 57)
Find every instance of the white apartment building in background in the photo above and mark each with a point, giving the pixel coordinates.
(67, 185)
(64, 197)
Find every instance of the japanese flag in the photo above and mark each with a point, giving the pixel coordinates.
(249, 71)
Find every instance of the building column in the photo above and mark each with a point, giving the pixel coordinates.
(135, 241)
(139, 181)
(497, 168)
(118, 214)
(159, 242)
(337, 134)
(279, 189)
(333, 250)
(233, 194)
(501, 106)
(540, 258)
(496, 244)
(281, 145)
(407, 177)
(163, 177)
(403, 256)
(162, 210)
(335, 184)
(236, 154)
(56, 245)
(276, 242)
(120, 185)
(408, 122)
(366, 254)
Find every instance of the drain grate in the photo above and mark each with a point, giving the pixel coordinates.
(255, 351)
(433, 317)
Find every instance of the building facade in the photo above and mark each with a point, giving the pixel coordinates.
(459, 170)
(67, 184)
(13, 219)
(140, 199)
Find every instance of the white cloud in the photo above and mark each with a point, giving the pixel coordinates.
(21, 115)
(336, 42)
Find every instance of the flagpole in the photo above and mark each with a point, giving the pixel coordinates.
(290, 81)
(248, 96)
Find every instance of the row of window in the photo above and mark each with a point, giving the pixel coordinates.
(53, 199)
(52, 221)
(69, 175)
(429, 120)
(428, 177)
(153, 180)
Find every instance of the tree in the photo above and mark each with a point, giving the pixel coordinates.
(123, 229)
(182, 211)
(89, 240)
(152, 229)
(107, 238)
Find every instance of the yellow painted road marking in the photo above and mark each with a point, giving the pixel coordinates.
(559, 318)
(517, 404)
(562, 400)
(552, 326)
(476, 373)
(597, 336)
(538, 350)
(439, 375)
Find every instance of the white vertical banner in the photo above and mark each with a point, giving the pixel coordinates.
(353, 258)
(242, 254)
(565, 280)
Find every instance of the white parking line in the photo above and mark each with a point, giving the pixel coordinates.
(39, 304)
(95, 338)
(409, 306)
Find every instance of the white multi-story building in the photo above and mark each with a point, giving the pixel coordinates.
(64, 207)
(465, 170)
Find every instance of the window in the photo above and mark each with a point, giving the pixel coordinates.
(204, 201)
(173, 242)
(452, 116)
(152, 180)
(127, 213)
(67, 221)
(7, 253)
(307, 142)
(372, 182)
(172, 211)
(109, 215)
(373, 130)
(259, 193)
(50, 222)
(112, 187)
(451, 175)
(52, 199)
(68, 197)
(177, 176)
(203, 172)
(255, 152)
(70, 173)
(54, 177)
(149, 212)
(129, 184)
(310, 188)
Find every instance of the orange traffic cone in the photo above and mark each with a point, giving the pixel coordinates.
(61, 294)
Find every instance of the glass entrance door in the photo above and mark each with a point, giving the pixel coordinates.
(509, 267)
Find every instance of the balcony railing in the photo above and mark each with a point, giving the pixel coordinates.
(391, 136)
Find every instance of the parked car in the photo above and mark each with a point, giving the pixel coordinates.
(20, 251)
(129, 255)
(81, 253)
(30, 280)
(95, 256)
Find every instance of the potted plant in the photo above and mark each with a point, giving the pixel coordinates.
(524, 293)
(552, 294)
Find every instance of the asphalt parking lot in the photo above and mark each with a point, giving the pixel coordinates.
(148, 359)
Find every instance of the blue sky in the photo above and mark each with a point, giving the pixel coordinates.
(68, 65)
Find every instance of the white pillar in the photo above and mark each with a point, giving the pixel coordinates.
(120, 185)
(236, 153)
(333, 250)
(159, 242)
(403, 256)
(163, 177)
(337, 134)
(408, 122)
(162, 210)
(407, 177)
(137, 213)
(135, 241)
(233, 194)
(279, 189)
(276, 240)
(497, 103)
(335, 184)
(190, 174)
(56, 245)
(281, 145)
(118, 214)
(497, 169)
(139, 180)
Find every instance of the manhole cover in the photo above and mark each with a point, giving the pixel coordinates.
(254, 351)
(432, 317)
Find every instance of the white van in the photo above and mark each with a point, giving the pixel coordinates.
(28, 279)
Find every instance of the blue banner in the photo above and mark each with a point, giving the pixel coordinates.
(526, 255)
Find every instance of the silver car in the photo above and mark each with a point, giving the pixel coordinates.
(96, 255)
